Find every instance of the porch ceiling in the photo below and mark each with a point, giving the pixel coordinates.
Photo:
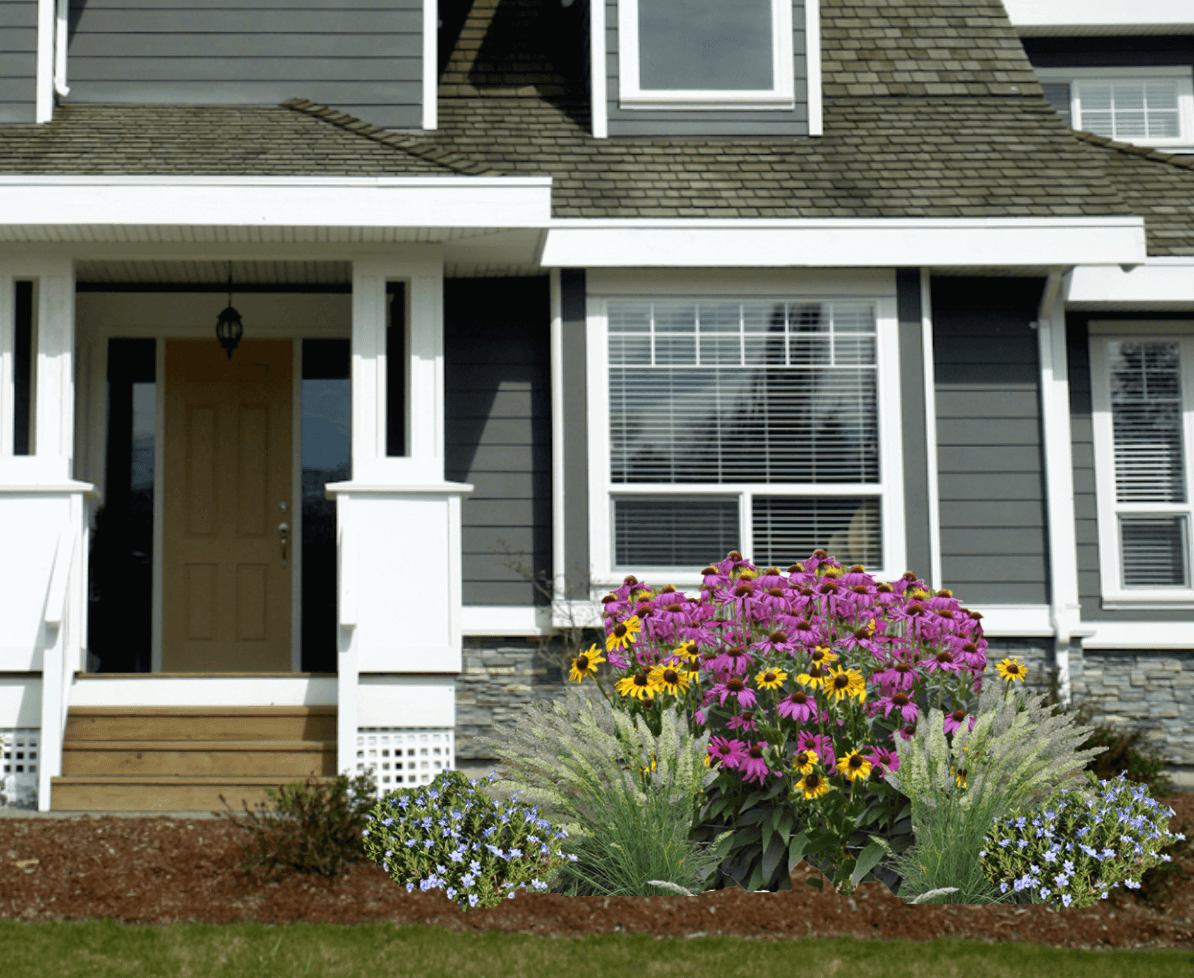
(213, 273)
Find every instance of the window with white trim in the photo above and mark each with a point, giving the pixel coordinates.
(1151, 106)
(750, 424)
(1142, 410)
(705, 54)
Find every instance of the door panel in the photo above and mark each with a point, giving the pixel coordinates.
(226, 472)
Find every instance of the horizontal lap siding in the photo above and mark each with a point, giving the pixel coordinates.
(362, 56)
(18, 61)
(990, 483)
(498, 425)
(677, 122)
(1086, 524)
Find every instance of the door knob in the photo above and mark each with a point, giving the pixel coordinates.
(284, 537)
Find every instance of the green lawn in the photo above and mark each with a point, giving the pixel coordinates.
(98, 949)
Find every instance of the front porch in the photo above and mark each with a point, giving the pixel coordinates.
(88, 723)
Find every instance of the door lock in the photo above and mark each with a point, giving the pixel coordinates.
(284, 537)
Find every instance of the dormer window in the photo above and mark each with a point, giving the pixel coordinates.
(1148, 106)
(705, 54)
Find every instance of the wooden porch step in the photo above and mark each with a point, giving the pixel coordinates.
(164, 793)
(201, 723)
(267, 758)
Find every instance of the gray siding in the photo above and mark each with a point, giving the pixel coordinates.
(498, 431)
(990, 481)
(1086, 527)
(915, 444)
(361, 56)
(18, 60)
(576, 430)
(664, 122)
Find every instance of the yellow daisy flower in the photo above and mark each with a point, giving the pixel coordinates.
(585, 664)
(771, 678)
(1012, 670)
(687, 650)
(668, 677)
(804, 761)
(959, 776)
(814, 678)
(854, 765)
(638, 686)
(845, 682)
(623, 634)
(822, 655)
(812, 785)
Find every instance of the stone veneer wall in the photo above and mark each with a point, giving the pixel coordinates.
(1152, 691)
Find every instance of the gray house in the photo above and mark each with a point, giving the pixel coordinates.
(348, 350)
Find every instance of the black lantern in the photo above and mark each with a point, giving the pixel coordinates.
(229, 328)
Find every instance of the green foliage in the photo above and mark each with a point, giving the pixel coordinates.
(311, 827)
(1122, 754)
(1075, 849)
(450, 835)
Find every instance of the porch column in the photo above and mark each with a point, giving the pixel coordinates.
(42, 512)
(399, 534)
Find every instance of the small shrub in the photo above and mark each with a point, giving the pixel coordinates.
(450, 835)
(311, 827)
(1073, 850)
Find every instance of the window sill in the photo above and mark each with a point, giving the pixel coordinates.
(689, 103)
(1165, 602)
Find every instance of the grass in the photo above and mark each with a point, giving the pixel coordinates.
(103, 948)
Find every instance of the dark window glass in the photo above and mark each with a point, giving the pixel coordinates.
(673, 532)
(120, 625)
(22, 366)
(396, 360)
(327, 452)
(705, 45)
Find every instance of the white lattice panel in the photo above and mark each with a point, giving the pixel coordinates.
(18, 780)
(404, 756)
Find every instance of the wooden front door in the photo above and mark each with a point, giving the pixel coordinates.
(227, 478)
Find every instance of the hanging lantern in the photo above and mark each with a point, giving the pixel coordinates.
(229, 328)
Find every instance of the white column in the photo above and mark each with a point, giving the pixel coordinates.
(399, 521)
(54, 412)
(7, 363)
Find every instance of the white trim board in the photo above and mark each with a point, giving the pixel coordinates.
(812, 59)
(278, 202)
(1156, 284)
(151, 690)
(502, 621)
(1140, 635)
(846, 243)
(1077, 17)
(430, 64)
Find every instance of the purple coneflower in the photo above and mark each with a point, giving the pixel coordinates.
(754, 765)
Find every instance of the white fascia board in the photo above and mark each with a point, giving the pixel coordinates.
(1014, 620)
(1100, 16)
(504, 621)
(1143, 635)
(848, 242)
(1157, 283)
(357, 202)
(149, 690)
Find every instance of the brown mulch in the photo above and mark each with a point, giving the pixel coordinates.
(164, 870)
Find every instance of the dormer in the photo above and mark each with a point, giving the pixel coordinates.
(376, 61)
(705, 67)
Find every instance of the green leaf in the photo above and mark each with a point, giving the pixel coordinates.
(767, 832)
(746, 836)
(867, 860)
(772, 855)
(814, 882)
(757, 879)
(797, 847)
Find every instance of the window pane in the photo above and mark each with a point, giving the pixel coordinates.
(705, 45)
(787, 529)
(1154, 551)
(1130, 109)
(794, 401)
(1058, 96)
(1146, 417)
(673, 532)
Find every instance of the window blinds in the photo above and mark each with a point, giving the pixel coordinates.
(1131, 109)
(786, 529)
(757, 392)
(1149, 454)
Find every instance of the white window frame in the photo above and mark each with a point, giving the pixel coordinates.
(1182, 74)
(780, 96)
(602, 490)
(1115, 596)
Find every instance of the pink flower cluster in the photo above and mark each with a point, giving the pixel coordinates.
(860, 660)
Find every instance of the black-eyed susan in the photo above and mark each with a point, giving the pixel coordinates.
(771, 678)
(813, 785)
(1012, 670)
(854, 765)
(959, 776)
(585, 664)
(822, 655)
(814, 678)
(688, 650)
(623, 633)
(637, 686)
(670, 677)
(804, 760)
(845, 682)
